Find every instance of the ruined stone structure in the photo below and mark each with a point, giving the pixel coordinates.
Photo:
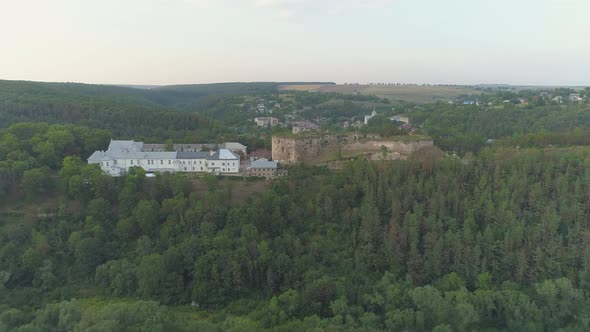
(289, 150)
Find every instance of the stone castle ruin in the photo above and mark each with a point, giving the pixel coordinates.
(293, 149)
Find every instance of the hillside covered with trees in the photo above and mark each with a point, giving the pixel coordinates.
(499, 242)
(494, 238)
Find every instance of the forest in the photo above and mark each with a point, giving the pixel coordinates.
(495, 239)
(499, 242)
(467, 128)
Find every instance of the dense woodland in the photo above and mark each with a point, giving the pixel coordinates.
(496, 240)
(468, 128)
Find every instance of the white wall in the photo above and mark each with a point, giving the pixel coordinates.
(119, 166)
(224, 166)
(192, 165)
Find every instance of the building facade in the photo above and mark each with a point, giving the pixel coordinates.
(263, 168)
(122, 155)
(266, 121)
(234, 147)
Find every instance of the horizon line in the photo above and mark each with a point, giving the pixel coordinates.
(315, 82)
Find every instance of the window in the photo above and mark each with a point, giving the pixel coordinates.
(107, 163)
(131, 161)
(169, 162)
(115, 161)
(161, 162)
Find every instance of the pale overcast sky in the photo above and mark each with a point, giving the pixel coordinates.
(542, 42)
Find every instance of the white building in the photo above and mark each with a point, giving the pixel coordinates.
(401, 118)
(266, 121)
(234, 147)
(193, 161)
(558, 99)
(223, 162)
(369, 117)
(122, 155)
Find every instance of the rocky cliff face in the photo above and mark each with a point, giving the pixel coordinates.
(289, 150)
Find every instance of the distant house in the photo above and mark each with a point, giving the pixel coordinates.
(301, 126)
(558, 99)
(369, 117)
(262, 167)
(575, 97)
(400, 118)
(266, 121)
(469, 102)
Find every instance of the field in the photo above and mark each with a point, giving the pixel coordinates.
(410, 93)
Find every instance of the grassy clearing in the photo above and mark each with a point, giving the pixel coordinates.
(303, 87)
(410, 93)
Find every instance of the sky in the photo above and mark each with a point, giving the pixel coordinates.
(158, 42)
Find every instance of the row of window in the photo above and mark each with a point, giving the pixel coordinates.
(201, 169)
(186, 169)
(154, 162)
(224, 164)
(150, 162)
(194, 162)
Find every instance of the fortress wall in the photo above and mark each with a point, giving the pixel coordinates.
(291, 150)
(391, 146)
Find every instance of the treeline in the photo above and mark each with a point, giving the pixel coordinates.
(467, 128)
(31, 152)
(123, 111)
(237, 88)
(497, 242)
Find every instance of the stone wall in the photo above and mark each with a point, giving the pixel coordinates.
(289, 150)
